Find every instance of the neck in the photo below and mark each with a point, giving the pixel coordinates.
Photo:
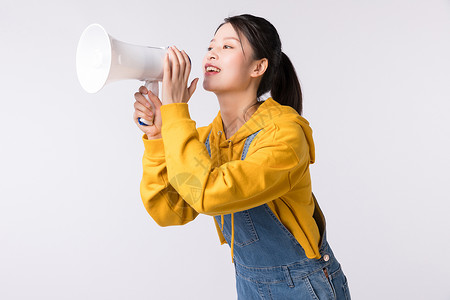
(236, 109)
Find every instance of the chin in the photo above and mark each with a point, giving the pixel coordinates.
(207, 87)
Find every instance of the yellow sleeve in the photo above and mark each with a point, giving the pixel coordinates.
(160, 199)
(237, 185)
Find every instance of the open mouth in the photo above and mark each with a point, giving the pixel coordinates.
(211, 69)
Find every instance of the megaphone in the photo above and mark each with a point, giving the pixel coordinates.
(102, 59)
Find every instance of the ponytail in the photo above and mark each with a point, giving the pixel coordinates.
(285, 85)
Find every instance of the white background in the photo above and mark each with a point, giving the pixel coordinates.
(375, 77)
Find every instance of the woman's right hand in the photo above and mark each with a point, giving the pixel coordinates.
(143, 109)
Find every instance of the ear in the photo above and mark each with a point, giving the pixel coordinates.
(259, 67)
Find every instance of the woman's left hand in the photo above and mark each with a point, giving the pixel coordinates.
(176, 76)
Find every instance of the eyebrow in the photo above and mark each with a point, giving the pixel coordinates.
(227, 38)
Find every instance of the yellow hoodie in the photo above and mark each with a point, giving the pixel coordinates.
(181, 180)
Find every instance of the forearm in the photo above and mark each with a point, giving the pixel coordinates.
(160, 199)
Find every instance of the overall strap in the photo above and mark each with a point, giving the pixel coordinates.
(247, 143)
(207, 144)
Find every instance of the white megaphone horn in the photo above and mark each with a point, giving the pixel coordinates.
(102, 59)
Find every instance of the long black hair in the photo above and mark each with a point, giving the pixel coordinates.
(280, 77)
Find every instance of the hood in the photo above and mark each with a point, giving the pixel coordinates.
(269, 111)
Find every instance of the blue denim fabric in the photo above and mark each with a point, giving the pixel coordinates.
(271, 264)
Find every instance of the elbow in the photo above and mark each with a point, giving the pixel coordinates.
(162, 216)
(158, 218)
(167, 219)
(162, 222)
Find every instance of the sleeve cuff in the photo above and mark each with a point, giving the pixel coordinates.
(174, 112)
(153, 147)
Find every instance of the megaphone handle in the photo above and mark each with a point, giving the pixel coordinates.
(154, 88)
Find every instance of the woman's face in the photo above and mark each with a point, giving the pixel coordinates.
(225, 66)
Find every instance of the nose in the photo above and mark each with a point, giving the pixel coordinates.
(212, 54)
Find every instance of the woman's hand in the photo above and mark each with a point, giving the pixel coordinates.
(143, 109)
(177, 67)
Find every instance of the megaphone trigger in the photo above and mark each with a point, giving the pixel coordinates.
(140, 121)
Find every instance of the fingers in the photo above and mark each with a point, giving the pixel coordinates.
(141, 99)
(192, 87)
(143, 90)
(181, 66)
(175, 64)
(143, 111)
(143, 106)
(155, 100)
(167, 70)
(188, 65)
(177, 67)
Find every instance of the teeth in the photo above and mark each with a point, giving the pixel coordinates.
(212, 69)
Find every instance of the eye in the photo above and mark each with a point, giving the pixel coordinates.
(209, 48)
(227, 47)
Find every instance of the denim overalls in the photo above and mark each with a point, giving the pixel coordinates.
(271, 264)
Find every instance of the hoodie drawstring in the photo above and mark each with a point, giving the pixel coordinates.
(230, 153)
(230, 156)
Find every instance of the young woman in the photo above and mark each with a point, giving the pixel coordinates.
(249, 168)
